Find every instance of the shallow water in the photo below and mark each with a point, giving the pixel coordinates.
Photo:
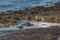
(37, 24)
(21, 4)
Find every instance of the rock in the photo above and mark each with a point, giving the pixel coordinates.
(21, 27)
(2, 25)
(38, 20)
(28, 24)
(55, 26)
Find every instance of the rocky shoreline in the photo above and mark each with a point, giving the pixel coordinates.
(11, 17)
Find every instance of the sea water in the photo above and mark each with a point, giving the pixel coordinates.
(21, 4)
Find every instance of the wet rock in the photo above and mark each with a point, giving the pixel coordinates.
(20, 27)
(55, 27)
(38, 20)
(33, 34)
(28, 24)
(7, 24)
(12, 38)
(2, 25)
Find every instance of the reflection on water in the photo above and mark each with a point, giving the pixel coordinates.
(37, 24)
